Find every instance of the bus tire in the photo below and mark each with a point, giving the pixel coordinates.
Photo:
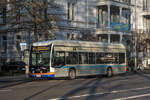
(109, 72)
(72, 74)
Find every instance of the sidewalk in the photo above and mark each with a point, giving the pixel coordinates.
(12, 78)
(146, 71)
(7, 81)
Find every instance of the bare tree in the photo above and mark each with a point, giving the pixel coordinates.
(143, 41)
(34, 15)
(2, 16)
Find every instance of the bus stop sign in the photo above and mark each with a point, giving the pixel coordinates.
(23, 46)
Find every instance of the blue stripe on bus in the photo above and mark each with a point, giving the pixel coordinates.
(94, 66)
(51, 76)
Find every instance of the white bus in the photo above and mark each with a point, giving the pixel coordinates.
(64, 58)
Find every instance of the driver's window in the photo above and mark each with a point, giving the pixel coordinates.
(59, 58)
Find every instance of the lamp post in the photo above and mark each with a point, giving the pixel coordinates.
(135, 46)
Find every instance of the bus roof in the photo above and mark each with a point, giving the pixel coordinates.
(78, 43)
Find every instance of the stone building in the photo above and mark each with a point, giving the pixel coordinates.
(111, 21)
(143, 29)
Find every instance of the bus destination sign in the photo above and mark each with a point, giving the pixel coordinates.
(40, 48)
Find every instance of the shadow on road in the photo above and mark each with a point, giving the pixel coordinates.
(8, 84)
(143, 75)
(44, 90)
(91, 86)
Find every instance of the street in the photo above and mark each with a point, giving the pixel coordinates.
(128, 86)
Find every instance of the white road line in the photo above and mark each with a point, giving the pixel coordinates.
(101, 93)
(133, 97)
(5, 90)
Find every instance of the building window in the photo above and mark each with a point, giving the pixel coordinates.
(114, 38)
(126, 1)
(102, 19)
(103, 38)
(126, 16)
(114, 14)
(145, 5)
(18, 37)
(71, 11)
(4, 38)
(4, 44)
(2, 15)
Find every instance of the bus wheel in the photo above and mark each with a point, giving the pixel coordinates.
(72, 74)
(109, 72)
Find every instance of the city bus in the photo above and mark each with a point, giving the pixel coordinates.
(67, 58)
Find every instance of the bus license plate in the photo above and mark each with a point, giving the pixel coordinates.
(38, 75)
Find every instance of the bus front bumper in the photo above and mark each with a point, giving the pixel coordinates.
(42, 75)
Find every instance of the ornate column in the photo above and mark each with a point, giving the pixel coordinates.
(109, 38)
(108, 15)
(120, 14)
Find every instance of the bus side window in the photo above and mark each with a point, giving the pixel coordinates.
(59, 58)
(116, 56)
(83, 58)
(72, 57)
(100, 58)
(91, 58)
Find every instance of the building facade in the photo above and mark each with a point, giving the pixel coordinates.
(143, 28)
(111, 21)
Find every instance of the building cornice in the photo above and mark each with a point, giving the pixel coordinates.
(114, 3)
(145, 13)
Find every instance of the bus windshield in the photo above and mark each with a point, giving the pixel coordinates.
(40, 56)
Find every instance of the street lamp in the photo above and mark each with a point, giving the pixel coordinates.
(135, 64)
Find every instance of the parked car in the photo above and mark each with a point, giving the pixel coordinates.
(16, 65)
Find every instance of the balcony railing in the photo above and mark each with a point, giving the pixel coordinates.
(119, 1)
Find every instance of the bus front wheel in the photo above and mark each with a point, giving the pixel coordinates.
(72, 74)
(109, 72)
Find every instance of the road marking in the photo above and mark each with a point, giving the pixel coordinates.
(5, 90)
(102, 93)
(133, 97)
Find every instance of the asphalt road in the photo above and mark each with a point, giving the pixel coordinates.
(120, 87)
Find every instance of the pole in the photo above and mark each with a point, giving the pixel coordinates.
(0, 58)
(135, 64)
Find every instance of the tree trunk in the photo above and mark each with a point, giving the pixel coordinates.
(35, 32)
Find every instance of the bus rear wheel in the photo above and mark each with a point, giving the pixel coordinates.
(109, 72)
(72, 74)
